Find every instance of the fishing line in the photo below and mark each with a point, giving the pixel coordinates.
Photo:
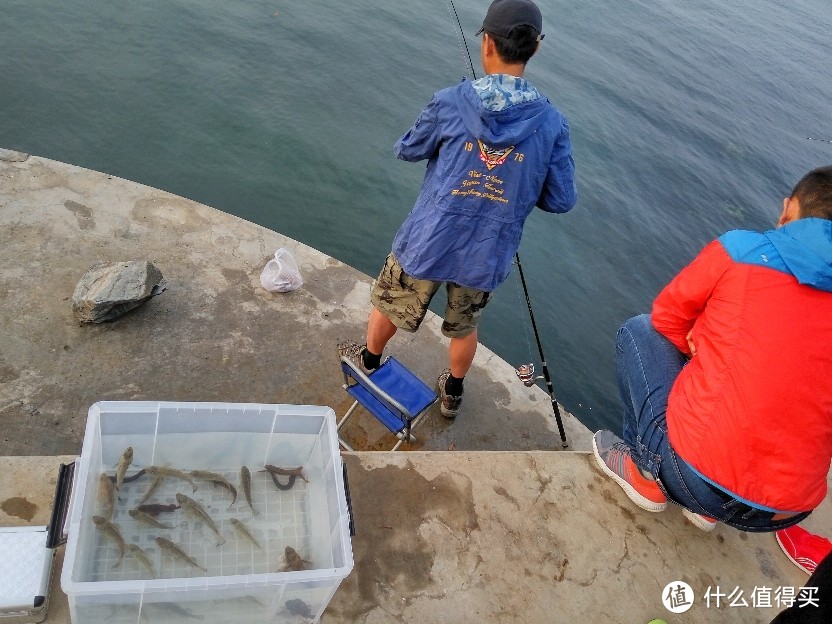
(525, 372)
(460, 36)
(819, 140)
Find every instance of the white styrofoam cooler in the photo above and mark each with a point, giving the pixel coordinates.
(243, 584)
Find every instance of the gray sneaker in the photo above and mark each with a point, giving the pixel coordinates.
(448, 405)
(613, 457)
(354, 352)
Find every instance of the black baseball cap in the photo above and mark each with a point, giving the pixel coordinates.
(503, 16)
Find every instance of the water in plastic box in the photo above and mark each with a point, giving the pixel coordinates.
(300, 518)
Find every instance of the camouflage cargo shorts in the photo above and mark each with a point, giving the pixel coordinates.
(404, 300)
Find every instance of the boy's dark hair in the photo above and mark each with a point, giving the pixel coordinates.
(518, 47)
(814, 193)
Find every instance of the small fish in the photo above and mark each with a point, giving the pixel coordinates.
(130, 479)
(106, 496)
(177, 552)
(243, 601)
(294, 562)
(153, 487)
(245, 479)
(162, 471)
(145, 518)
(164, 610)
(110, 529)
(216, 479)
(154, 509)
(291, 472)
(297, 606)
(123, 464)
(139, 555)
(241, 528)
(289, 484)
(196, 510)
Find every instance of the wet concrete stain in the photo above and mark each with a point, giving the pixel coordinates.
(19, 507)
(7, 373)
(159, 211)
(766, 564)
(501, 491)
(394, 529)
(562, 570)
(608, 496)
(82, 213)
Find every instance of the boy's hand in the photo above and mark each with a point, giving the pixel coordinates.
(691, 346)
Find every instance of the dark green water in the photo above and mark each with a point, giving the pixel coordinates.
(687, 119)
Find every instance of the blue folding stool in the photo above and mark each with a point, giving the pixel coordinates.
(391, 393)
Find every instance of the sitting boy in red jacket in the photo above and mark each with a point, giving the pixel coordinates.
(726, 385)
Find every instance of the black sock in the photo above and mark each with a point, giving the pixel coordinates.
(453, 386)
(371, 360)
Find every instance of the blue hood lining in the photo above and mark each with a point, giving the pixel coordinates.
(802, 248)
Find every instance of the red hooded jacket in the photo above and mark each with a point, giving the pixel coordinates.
(752, 410)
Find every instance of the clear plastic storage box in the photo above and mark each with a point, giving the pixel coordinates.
(278, 559)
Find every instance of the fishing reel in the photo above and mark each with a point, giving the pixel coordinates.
(525, 373)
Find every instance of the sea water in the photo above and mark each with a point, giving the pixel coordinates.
(687, 119)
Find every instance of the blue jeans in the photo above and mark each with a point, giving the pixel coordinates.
(647, 365)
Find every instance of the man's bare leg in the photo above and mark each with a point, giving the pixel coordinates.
(380, 330)
(461, 353)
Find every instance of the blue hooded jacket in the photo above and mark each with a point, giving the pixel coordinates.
(802, 248)
(486, 170)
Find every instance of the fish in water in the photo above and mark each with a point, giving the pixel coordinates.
(111, 530)
(153, 487)
(294, 562)
(287, 472)
(196, 510)
(245, 479)
(139, 555)
(162, 471)
(130, 479)
(106, 496)
(178, 553)
(243, 530)
(164, 610)
(280, 486)
(296, 606)
(216, 479)
(146, 518)
(123, 464)
(154, 509)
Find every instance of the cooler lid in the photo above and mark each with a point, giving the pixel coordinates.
(25, 568)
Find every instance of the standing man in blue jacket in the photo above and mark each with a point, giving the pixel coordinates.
(496, 148)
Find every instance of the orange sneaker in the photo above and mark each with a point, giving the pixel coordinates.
(613, 457)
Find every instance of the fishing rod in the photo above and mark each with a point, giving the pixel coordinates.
(524, 372)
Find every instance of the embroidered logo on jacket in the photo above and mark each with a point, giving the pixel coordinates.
(493, 156)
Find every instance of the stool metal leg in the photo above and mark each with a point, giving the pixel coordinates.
(343, 421)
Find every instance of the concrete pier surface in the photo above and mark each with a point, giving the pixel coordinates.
(481, 521)
(215, 334)
(512, 537)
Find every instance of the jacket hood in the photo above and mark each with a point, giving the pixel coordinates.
(500, 128)
(806, 247)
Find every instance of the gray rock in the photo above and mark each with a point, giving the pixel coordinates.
(109, 290)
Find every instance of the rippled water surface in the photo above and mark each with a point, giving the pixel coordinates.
(688, 119)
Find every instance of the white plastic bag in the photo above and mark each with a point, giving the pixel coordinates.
(281, 274)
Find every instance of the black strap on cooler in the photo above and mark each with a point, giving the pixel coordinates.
(349, 500)
(56, 535)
